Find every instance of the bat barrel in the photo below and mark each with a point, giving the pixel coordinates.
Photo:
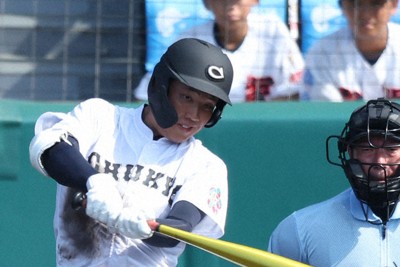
(236, 253)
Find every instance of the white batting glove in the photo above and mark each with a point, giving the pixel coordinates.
(133, 223)
(104, 202)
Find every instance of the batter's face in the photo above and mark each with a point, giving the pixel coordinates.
(388, 157)
(230, 12)
(194, 109)
(369, 18)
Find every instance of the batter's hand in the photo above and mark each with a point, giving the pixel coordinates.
(133, 223)
(104, 202)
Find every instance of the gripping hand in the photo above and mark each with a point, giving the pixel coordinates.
(133, 223)
(104, 202)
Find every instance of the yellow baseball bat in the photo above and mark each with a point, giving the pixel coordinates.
(233, 252)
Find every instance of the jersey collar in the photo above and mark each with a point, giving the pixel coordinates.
(358, 213)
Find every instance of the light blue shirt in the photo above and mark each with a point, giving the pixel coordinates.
(335, 233)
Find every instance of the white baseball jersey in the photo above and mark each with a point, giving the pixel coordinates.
(337, 71)
(266, 65)
(155, 173)
(335, 233)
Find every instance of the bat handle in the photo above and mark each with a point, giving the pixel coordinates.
(79, 201)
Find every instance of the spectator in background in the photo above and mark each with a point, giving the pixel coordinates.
(267, 62)
(359, 61)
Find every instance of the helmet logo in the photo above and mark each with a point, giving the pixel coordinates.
(215, 72)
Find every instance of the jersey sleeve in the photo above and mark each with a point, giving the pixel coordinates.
(207, 189)
(324, 68)
(83, 122)
(285, 241)
(318, 86)
(288, 59)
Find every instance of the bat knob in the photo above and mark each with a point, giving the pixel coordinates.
(79, 201)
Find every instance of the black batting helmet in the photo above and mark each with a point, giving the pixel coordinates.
(197, 64)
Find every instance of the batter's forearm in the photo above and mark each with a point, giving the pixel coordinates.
(184, 216)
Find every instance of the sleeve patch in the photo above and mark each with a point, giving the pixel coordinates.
(214, 199)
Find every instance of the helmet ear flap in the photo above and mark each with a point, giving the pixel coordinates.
(163, 110)
(216, 116)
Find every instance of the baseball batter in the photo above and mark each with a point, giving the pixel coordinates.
(139, 164)
(267, 62)
(360, 226)
(359, 61)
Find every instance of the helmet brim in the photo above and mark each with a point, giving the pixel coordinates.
(204, 86)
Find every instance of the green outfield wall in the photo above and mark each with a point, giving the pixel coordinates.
(275, 153)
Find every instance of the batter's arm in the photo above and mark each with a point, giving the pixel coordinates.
(183, 215)
(64, 163)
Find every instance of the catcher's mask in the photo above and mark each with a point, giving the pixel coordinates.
(377, 118)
